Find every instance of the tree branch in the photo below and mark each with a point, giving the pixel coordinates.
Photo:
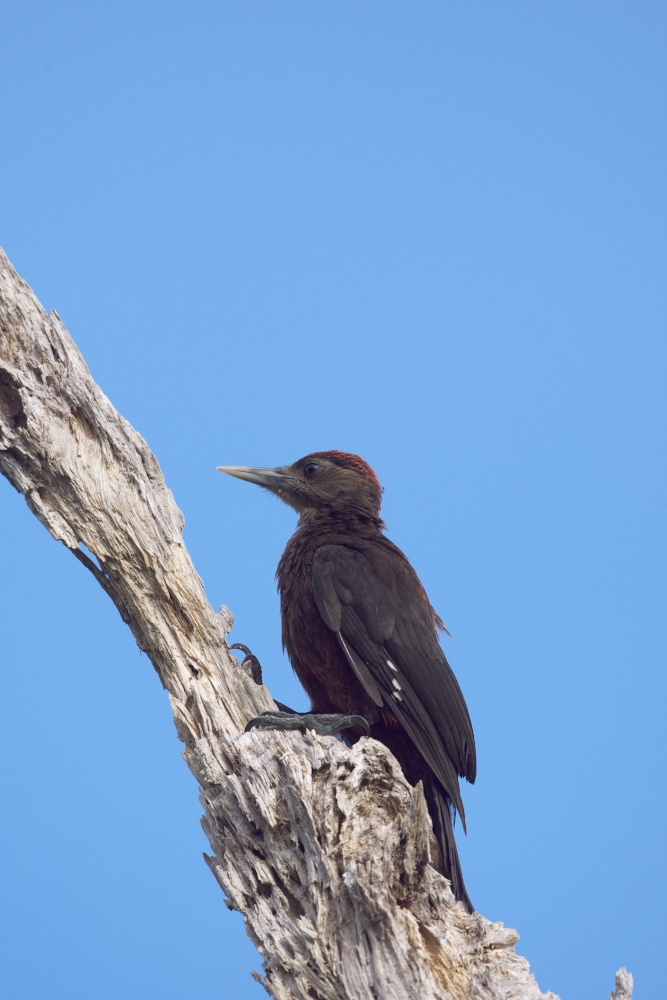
(325, 850)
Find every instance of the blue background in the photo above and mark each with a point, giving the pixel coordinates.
(432, 233)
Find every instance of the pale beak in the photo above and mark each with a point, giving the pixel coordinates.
(262, 477)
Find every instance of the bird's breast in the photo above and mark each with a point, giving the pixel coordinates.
(312, 647)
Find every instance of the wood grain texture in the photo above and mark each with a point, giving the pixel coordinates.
(325, 850)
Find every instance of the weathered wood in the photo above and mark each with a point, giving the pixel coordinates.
(625, 984)
(325, 850)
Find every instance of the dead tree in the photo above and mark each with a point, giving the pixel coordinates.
(325, 850)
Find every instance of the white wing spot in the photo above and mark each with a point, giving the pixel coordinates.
(396, 684)
(391, 665)
(398, 696)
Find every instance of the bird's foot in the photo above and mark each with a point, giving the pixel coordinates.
(324, 725)
(250, 662)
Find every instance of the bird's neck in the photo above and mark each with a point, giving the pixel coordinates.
(340, 522)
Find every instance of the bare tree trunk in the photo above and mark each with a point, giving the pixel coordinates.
(325, 850)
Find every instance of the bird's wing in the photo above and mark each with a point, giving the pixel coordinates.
(369, 595)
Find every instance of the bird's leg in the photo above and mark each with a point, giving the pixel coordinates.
(323, 724)
(250, 662)
(287, 718)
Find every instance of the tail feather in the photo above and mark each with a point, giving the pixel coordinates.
(440, 808)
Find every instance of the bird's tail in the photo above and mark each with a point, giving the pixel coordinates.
(440, 808)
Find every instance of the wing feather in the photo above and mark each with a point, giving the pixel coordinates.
(368, 594)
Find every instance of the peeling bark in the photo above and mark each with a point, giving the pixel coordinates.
(325, 850)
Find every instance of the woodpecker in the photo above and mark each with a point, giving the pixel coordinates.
(362, 636)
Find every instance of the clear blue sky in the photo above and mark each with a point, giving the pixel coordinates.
(432, 233)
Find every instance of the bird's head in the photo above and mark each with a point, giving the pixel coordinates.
(330, 482)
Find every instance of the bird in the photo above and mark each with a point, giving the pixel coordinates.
(362, 637)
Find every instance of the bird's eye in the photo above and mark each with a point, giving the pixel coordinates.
(311, 468)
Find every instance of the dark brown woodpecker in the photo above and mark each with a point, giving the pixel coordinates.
(362, 636)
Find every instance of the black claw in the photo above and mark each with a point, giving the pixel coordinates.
(324, 725)
(250, 662)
